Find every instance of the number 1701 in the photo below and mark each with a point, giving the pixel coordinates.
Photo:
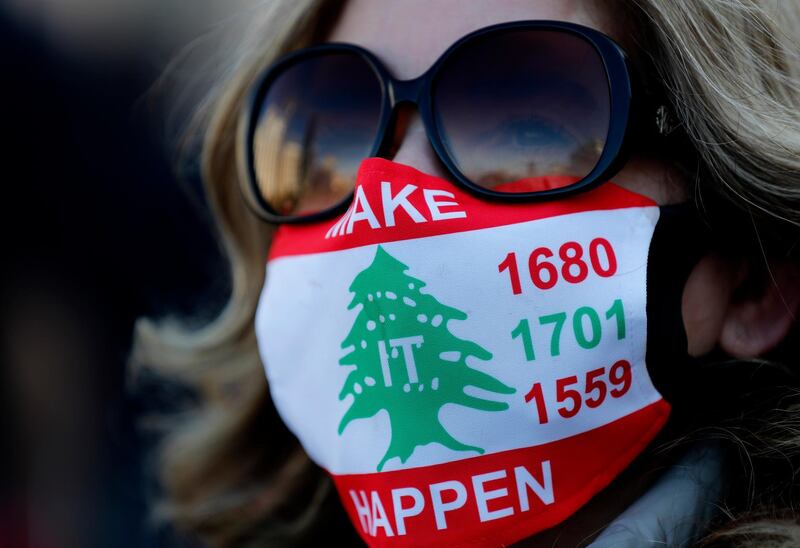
(586, 328)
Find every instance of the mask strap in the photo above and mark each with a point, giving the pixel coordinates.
(680, 240)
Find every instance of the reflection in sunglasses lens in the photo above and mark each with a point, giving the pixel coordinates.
(524, 110)
(317, 121)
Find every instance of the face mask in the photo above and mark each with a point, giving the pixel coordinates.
(471, 372)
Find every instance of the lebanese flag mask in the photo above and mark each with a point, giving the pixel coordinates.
(470, 372)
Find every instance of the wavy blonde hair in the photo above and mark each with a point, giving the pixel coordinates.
(230, 471)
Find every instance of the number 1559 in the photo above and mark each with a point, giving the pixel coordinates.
(595, 390)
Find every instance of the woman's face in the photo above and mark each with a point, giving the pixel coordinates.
(409, 36)
(419, 32)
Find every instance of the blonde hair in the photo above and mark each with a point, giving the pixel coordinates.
(231, 471)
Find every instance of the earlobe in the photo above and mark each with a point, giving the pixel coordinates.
(759, 321)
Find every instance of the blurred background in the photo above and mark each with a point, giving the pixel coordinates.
(97, 229)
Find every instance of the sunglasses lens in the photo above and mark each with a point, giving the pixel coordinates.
(524, 110)
(317, 119)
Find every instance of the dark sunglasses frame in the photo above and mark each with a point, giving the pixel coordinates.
(629, 116)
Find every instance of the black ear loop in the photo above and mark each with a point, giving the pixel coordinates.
(706, 399)
(681, 238)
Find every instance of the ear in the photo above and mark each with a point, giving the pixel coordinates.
(762, 310)
(707, 297)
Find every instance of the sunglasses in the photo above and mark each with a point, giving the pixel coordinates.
(518, 111)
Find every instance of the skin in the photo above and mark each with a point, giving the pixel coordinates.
(744, 325)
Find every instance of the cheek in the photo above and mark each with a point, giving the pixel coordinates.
(656, 180)
(706, 297)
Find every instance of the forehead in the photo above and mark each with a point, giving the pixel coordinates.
(409, 35)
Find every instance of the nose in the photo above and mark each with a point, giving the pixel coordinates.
(410, 144)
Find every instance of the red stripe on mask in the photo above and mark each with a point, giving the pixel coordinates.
(398, 202)
(477, 501)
